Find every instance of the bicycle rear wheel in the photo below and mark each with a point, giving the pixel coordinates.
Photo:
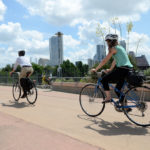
(138, 99)
(91, 99)
(32, 95)
(16, 91)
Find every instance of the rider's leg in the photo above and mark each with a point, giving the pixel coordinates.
(108, 95)
(110, 77)
(23, 74)
(119, 86)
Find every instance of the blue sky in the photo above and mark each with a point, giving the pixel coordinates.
(28, 24)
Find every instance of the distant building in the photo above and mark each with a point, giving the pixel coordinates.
(90, 63)
(56, 49)
(100, 53)
(34, 60)
(132, 54)
(142, 62)
(77, 62)
(123, 44)
(43, 62)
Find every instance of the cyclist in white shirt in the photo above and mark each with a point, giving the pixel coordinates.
(25, 65)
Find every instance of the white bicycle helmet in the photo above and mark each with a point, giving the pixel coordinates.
(111, 37)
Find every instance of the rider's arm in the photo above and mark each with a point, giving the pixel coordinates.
(106, 59)
(112, 65)
(15, 66)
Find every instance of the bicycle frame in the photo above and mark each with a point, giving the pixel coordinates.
(116, 103)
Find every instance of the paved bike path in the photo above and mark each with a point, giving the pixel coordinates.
(16, 134)
(60, 112)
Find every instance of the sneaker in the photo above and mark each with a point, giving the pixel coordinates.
(128, 109)
(106, 101)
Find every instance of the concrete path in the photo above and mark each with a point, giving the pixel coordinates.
(57, 117)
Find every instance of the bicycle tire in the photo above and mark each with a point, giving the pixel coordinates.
(138, 99)
(91, 107)
(16, 90)
(32, 92)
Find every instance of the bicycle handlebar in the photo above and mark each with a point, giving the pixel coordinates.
(18, 73)
(99, 74)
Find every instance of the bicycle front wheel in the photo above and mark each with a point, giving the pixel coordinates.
(32, 95)
(138, 99)
(90, 99)
(16, 91)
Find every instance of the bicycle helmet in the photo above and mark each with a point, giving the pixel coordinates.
(21, 52)
(111, 37)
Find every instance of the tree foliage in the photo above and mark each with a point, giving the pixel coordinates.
(68, 69)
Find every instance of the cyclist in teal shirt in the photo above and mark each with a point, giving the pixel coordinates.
(121, 58)
(119, 68)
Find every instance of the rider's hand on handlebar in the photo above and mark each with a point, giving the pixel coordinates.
(11, 73)
(93, 70)
(107, 70)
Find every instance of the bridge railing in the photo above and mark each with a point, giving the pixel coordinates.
(7, 80)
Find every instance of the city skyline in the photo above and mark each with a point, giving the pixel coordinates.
(24, 25)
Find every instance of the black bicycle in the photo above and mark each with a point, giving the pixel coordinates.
(134, 98)
(31, 94)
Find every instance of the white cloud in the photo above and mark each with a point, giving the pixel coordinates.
(2, 10)
(139, 43)
(14, 38)
(71, 12)
(70, 42)
(87, 32)
(89, 40)
(82, 54)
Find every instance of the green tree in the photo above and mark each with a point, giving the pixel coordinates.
(55, 71)
(48, 69)
(129, 29)
(133, 62)
(82, 69)
(69, 69)
(106, 66)
(86, 69)
(8, 68)
(79, 66)
(147, 72)
(37, 69)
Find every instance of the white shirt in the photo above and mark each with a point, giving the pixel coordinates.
(22, 61)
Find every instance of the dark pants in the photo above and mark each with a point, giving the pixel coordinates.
(118, 76)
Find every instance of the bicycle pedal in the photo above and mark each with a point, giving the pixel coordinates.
(118, 109)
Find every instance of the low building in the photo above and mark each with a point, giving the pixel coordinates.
(43, 61)
(142, 62)
(132, 54)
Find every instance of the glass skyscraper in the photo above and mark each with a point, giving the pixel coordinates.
(56, 49)
(100, 53)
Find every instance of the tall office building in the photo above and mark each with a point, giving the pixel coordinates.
(90, 63)
(123, 44)
(56, 49)
(100, 53)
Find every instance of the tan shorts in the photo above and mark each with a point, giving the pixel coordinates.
(24, 71)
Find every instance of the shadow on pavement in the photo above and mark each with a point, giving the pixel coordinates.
(16, 104)
(113, 128)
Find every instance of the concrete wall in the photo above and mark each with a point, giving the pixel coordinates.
(75, 87)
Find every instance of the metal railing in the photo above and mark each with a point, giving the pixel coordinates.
(7, 80)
